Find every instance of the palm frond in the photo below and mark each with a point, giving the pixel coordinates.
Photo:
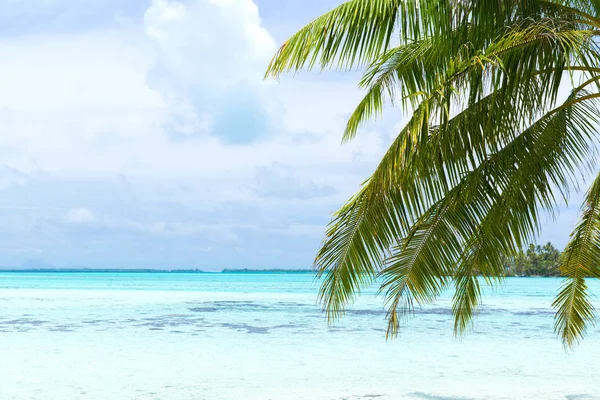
(357, 32)
(353, 250)
(435, 68)
(574, 310)
(485, 150)
(489, 214)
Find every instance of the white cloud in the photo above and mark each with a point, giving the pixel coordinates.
(11, 177)
(280, 181)
(170, 112)
(80, 216)
(70, 102)
(211, 55)
(101, 103)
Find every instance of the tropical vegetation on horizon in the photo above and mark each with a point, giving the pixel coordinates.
(535, 261)
(491, 144)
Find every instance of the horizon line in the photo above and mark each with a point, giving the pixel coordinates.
(162, 270)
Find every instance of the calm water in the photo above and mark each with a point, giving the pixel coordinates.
(221, 336)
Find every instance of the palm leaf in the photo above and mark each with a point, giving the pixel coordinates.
(574, 310)
(485, 150)
(356, 32)
(505, 190)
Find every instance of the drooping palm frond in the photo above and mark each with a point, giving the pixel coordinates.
(430, 69)
(512, 220)
(490, 213)
(353, 250)
(400, 191)
(356, 32)
(485, 150)
(581, 260)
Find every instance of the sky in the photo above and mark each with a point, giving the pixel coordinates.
(141, 134)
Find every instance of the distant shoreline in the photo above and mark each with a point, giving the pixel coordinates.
(157, 271)
(226, 271)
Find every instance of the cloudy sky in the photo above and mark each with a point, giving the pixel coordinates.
(140, 134)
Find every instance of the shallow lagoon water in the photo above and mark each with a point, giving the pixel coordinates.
(262, 336)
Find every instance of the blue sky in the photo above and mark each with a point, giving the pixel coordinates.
(140, 134)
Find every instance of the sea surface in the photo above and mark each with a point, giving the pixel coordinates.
(262, 336)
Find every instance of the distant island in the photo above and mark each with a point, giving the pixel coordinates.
(111, 270)
(165, 271)
(536, 260)
(267, 271)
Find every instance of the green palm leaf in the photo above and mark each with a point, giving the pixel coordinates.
(581, 260)
(486, 149)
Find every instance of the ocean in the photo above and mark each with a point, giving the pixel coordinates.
(262, 336)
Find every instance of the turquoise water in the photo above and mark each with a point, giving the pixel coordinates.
(260, 336)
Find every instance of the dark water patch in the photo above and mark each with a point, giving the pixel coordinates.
(289, 326)
(427, 396)
(94, 321)
(285, 326)
(531, 313)
(334, 329)
(492, 310)
(155, 329)
(448, 311)
(366, 312)
(245, 327)
(383, 313)
(153, 324)
(203, 309)
(291, 304)
(167, 316)
(63, 328)
(172, 321)
(582, 397)
(23, 321)
(530, 329)
(230, 305)
(435, 311)
(159, 323)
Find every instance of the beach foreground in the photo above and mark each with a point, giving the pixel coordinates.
(260, 336)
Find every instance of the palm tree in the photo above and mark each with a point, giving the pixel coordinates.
(492, 143)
